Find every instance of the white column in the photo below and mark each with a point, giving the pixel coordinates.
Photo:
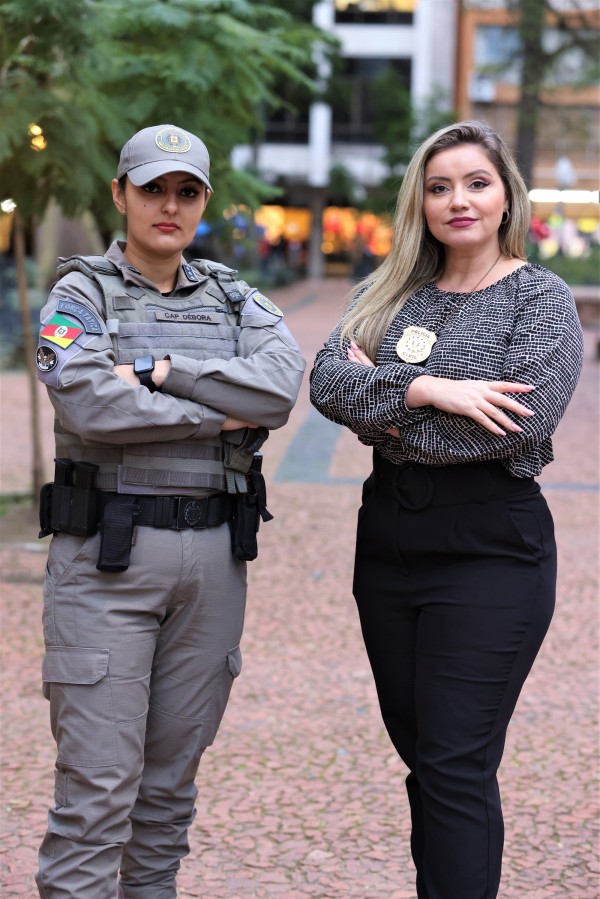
(319, 147)
(434, 28)
(319, 120)
(422, 62)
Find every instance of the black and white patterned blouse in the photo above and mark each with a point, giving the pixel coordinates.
(523, 328)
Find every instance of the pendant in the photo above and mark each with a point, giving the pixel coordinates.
(415, 344)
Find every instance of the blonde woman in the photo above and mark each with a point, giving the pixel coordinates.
(455, 362)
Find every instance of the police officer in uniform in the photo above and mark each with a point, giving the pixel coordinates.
(165, 378)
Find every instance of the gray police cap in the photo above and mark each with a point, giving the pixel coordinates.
(161, 149)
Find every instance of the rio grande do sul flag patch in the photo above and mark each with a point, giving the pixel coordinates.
(61, 331)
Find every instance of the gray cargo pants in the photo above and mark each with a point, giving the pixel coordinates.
(138, 670)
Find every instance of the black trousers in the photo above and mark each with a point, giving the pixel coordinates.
(455, 577)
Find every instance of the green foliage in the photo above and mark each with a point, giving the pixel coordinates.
(433, 113)
(576, 271)
(48, 78)
(400, 127)
(394, 119)
(92, 72)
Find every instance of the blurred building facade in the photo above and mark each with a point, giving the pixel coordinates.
(466, 50)
(487, 87)
(414, 38)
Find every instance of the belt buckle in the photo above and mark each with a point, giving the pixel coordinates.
(413, 488)
(190, 513)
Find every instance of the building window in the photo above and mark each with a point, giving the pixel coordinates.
(497, 58)
(289, 123)
(371, 12)
(353, 96)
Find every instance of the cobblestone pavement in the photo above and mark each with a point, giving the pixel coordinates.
(302, 794)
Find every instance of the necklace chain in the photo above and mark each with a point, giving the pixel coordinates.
(483, 277)
(416, 342)
(457, 309)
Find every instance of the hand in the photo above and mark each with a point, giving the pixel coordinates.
(356, 354)
(232, 424)
(483, 401)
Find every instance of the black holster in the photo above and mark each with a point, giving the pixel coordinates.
(116, 529)
(71, 505)
(250, 508)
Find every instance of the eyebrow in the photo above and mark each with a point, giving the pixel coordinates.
(468, 175)
(183, 180)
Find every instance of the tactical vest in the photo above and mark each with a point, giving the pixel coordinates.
(204, 324)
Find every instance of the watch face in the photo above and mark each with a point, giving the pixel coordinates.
(143, 363)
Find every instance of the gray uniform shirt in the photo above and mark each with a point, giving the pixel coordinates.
(251, 371)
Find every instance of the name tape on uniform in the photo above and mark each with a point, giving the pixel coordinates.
(201, 318)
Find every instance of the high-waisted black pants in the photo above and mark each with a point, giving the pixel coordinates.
(454, 578)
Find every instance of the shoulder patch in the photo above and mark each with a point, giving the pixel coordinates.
(267, 304)
(46, 359)
(61, 331)
(90, 322)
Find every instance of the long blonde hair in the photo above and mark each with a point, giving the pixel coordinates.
(416, 257)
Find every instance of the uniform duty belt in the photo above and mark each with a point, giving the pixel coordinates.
(120, 512)
(71, 504)
(175, 512)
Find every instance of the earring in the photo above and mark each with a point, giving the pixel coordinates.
(506, 213)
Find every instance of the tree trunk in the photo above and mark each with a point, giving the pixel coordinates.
(316, 260)
(531, 28)
(29, 346)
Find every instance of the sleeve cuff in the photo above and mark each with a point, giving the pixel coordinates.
(182, 378)
(212, 422)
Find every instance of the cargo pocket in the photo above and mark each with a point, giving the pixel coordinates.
(82, 716)
(230, 670)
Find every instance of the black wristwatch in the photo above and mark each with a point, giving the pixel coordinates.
(143, 367)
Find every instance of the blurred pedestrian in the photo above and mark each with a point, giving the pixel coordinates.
(455, 362)
(165, 376)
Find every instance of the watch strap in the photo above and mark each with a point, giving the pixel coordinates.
(146, 381)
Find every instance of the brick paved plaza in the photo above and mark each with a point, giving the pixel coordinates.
(302, 794)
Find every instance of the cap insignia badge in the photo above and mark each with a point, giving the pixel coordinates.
(173, 141)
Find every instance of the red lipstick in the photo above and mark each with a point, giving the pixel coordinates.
(461, 222)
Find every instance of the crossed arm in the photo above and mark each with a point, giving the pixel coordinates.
(483, 401)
